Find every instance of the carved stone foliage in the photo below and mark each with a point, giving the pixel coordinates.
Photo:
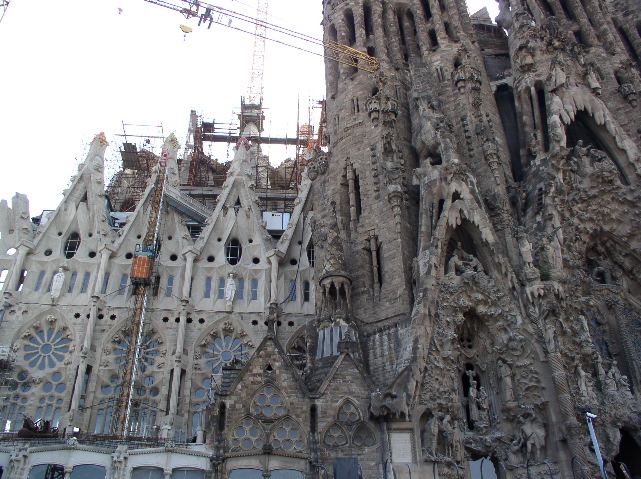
(487, 372)
(318, 164)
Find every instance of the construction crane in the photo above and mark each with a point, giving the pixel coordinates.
(210, 14)
(141, 275)
(258, 59)
(4, 4)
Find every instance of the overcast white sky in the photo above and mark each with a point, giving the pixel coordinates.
(71, 69)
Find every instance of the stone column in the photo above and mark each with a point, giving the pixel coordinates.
(180, 341)
(82, 363)
(393, 35)
(22, 249)
(105, 253)
(189, 255)
(274, 257)
(379, 32)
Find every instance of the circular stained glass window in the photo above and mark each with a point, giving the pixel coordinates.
(148, 351)
(46, 349)
(223, 351)
(56, 377)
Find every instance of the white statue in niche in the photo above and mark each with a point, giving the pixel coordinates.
(230, 287)
(56, 284)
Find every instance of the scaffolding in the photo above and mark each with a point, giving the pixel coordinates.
(138, 155)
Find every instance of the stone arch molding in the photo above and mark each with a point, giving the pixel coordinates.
(564, 106)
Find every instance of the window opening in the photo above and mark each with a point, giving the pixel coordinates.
(221, 288)
(170, 286)
(105, 282)
(3, 277)
(507, 110)
(254, 289)
(72, 282)
(547, 8)
(306, 291)
(234, 251)
(23, 275)
(367, 13)
(241, 288)
(41, 277)
(401, 32)
(71, 245)
(357, 191)
(85, 282)
(427, 11)
(540, 95)
(292, 291)
(207, 287)
(433, 38)
(123, 284)
(351, 27)
(310, 253)
(449, 31)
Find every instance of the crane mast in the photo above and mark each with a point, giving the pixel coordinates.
(141, 274)
(258, 58)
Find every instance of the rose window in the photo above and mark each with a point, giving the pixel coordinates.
(268, 403)
(287, 436)
(224, 351)
(149, 349)
(335, 436)
(247, 435)
(46, 349)
(348, 414)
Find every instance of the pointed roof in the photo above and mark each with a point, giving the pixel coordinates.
(345, 360)
(269, 342)
(89, 180)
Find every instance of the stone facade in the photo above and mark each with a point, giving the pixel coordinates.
(458, 279)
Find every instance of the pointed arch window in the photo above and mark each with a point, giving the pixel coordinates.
(71, 245)
(234, 251)
(310, 254)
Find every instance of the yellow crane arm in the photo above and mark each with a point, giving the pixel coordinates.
(207, 13)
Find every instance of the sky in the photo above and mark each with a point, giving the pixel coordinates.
(72, 69)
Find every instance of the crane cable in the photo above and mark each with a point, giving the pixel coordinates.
(337, 51)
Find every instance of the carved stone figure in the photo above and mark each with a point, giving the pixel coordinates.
(230, 287)
(429, 437)
(533, 434)
(505, 378)
(462, 262)
(483, 406)
(472, 397)
(56, 285)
